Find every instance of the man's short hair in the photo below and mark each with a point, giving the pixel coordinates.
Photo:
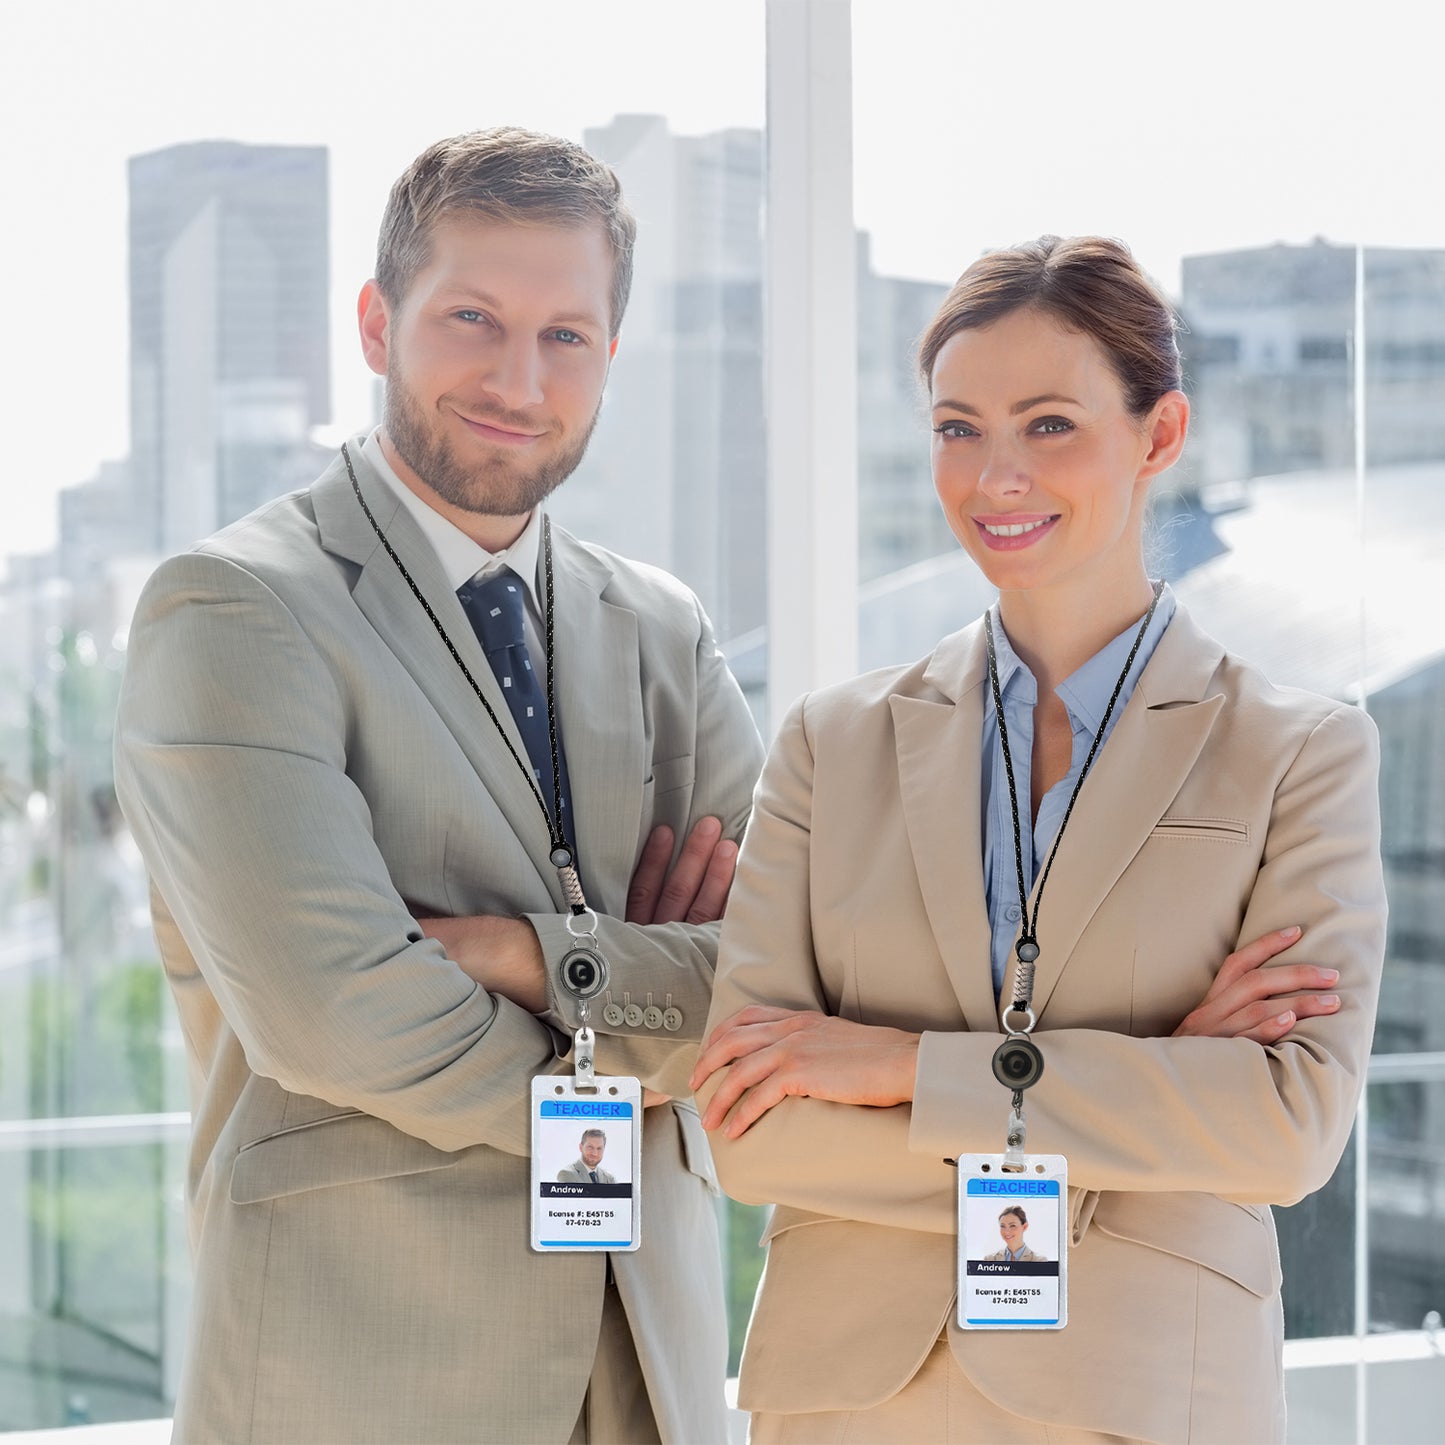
(503, 174)
(594, 1134)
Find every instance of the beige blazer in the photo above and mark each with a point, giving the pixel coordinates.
(1221, 808)
(297, 754)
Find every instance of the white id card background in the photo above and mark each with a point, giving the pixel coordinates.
(586, 1164)
(1012, 1243)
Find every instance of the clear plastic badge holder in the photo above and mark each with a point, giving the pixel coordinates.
(1012, 1242)
(586, 1165)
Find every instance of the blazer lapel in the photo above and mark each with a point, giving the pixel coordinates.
(599, 710)
(1135, 777)
(383, 596)
(939, 778)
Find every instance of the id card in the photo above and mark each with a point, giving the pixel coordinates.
(1012, 1243)
(586, 1164)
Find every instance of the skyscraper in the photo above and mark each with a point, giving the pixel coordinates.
(676, 474)
(229, 347)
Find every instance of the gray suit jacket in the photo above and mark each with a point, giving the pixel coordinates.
(578, 1173)
(297, 754)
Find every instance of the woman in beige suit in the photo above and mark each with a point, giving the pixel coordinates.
(902, 834)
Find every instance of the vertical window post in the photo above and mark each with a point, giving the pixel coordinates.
(811, 351)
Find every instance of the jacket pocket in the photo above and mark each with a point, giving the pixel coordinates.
(1208, 830)
(672, 773)
(696, 1152)
(784, 1217)
(1234, 1240)
(1082, 1204)
(340, 1149)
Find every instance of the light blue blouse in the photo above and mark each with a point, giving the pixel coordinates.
(1085, 694)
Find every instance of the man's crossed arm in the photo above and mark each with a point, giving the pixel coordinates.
(505, 956)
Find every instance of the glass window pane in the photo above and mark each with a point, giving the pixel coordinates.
(1320, 1302)
(1404, 562)
(1407, 1204)
(96, 1284)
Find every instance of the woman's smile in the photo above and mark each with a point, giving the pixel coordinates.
(1018, 532)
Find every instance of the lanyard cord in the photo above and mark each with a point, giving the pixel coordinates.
(1027, 947)
(561, 855)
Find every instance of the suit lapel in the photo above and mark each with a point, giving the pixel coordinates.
(383, 596)
(939, 778)
(599, 709)
(1138, 773)
(1135, 777)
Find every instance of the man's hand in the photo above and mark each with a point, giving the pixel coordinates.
(696, 890)
(501, 954)
(1247, 1000)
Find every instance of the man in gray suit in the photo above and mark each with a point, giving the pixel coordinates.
(587, 1168)
(359, 732)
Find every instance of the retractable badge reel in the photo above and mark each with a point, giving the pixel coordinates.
(586, 1129)
(1012, 1207)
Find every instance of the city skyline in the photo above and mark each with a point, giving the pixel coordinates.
(928, 192)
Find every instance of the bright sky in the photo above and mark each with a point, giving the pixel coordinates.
(1183, 129)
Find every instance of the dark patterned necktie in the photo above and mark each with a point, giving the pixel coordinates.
(496, 608)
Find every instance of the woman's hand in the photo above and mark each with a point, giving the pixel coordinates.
(777, 1052)
(1244, 1000)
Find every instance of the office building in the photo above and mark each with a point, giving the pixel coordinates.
(229, 337)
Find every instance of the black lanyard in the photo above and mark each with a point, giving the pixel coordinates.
(561, 855)
(1027, 947)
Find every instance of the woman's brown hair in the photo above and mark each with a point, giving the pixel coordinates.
(1088, 284)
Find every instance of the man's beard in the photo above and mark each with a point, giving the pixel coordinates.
(498, 488)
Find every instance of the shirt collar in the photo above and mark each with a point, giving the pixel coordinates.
(461, 558)
(1086, 690)
(1013, 672)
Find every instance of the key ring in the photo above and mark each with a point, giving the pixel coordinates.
(1015, 1008)
(587, 930)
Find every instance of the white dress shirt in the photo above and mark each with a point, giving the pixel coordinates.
(464, 560)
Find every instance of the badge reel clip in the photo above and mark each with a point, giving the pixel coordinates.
(586, 1130)
(1018, 1063)
(584, 975)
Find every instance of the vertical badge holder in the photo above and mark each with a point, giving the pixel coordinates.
(586, 1133)
(1012, 1242)
(1013, 1225)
